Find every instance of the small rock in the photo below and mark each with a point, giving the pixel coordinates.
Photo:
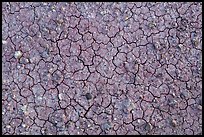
(131, 106)
(4, 42)
(141, 97)
(195, 42)
(159, 75)
(23, 125)
(8, 126)
(173, 123)
(88, 96)
(60, 96)
(148, 126)
(172, 102)
(180, 46)
(44, 3)
(18, 54)
(152, 25)
(126, 18)
(199, 107)
(173, 94)
(24, 60)
(106, 126)
(24, 108)
(63, 8)
(26, 113)
(53, 8)
(19, 66)
(155, 100)
(182, 95)
(21, 112)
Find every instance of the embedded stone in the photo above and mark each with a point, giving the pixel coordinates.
(24, 108)
(60, 96)
(173, 123)
(180, 46)
(199, 107)
(88, 96)
(106, 126)
(148, 126)
(4, 42)
(18, 54)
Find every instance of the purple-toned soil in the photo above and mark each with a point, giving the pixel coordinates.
(102, 68)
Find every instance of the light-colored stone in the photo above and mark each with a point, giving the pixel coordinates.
(53, 8)
(199, 107)
(173, 123)
(155, 100)
(4, 42)
(18, 54)
(63, 8)
(24, 108)
(180, 46)
(141, 97)
(23, 125)
(18, 66)
(8, 126)
(152, 25)
(60, 96)
(148, 126)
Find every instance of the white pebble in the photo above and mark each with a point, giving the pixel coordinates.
(60, 96)
(23, 125)
(8, 126)
(18, 54)
(180, 45)
(24, 108)
(199, 107)
(4, 42)
(133, 111)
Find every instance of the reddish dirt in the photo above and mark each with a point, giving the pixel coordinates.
(101, 68)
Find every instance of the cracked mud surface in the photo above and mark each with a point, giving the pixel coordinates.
(101, 68)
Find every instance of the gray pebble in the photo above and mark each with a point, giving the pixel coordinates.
(88, 96)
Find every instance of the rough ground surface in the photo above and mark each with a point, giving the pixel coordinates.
(101, 68)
